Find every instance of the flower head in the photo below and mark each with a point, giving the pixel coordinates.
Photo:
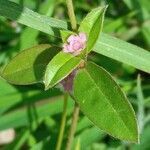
(75, 44)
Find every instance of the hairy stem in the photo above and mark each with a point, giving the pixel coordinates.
(73, 126)
(63, 123)
(71, 15)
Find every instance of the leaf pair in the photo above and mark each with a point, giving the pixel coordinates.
(38, 64)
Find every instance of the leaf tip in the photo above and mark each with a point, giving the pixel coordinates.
(105, 9)
(135, 137)
(3, 73)
(102, 8)
(136, 140)
(46, 87)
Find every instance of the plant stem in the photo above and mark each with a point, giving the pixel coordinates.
(71, 14)
(76, 107)
(73, 126)
(63, 122)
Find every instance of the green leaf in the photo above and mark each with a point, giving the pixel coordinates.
(103, 102)
(65, 34)
(92, 25)
(60, 67)
(31, 19)
(28, 66)
(124, 52)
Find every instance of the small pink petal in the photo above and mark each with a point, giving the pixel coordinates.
(70, 48)
(82, 37)
(77, 46)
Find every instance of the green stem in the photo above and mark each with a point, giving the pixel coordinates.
(76, 107)
(73, 126)
(63, 123)
(71, 14)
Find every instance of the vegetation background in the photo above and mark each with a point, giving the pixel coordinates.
(35, 114)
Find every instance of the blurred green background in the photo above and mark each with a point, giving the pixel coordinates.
(35, 114)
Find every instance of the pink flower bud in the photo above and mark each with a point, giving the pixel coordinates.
(75, 44)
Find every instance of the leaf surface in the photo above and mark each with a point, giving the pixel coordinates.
(28, 66)
(92, 25)
(59, 67)
(103, 102)
(30, 18)
(124, 52)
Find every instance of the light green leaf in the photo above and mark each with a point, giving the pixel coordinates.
(124, 52)
(60, 67)
(29, 65)
(92, 25)
(65, 34)
(31, 19)
(103, 102)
